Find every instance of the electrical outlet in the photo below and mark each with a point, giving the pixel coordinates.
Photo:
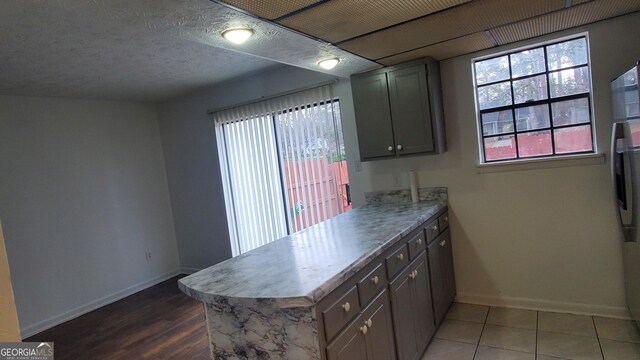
(148, 254)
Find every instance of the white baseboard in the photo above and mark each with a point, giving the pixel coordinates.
(188, 270)
(545, 305)
(83, 309)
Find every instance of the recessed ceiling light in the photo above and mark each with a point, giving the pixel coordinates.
(328, 63)
(238, 35)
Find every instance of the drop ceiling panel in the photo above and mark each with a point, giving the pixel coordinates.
(345, 19)
(574, 16)
(270, 9)
(444, 50)
(462, 20)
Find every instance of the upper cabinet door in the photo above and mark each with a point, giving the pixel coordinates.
(373, 117)
(411, 113)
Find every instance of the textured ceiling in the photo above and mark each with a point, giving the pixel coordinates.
(155, 49)
(141, 49)
(394, 31)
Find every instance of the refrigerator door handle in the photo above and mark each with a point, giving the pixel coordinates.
(617, 133)
(618, 177)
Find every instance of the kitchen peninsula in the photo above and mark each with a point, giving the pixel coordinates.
(328, 292)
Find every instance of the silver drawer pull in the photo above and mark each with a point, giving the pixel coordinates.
(446, 219)
(434, 228)
(364, 329)
(400, 256)
(346, 306)
(413, 274)
(390, 148)
(369, 323)
(399, 147)
(375, 280)
(419, 242)
(443, 243)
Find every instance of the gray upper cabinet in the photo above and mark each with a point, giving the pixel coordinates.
(371, 99)
(409, 100)
(399, 110)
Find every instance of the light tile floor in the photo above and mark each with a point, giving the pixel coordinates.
(474, 332)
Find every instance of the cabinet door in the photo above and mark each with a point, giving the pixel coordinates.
(349, 345)
(443, 283)
(373, 117)
(402, 309)
(379, 338)
(447, 269)
(437, 279)
(425, 325)
(410, 110)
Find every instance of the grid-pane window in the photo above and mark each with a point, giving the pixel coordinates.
(535, 102)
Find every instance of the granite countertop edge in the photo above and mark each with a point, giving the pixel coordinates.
(313, 297)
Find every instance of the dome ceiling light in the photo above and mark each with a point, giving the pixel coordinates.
(237, 35)
(329, 63)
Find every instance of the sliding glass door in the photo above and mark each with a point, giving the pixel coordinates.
(283, 164)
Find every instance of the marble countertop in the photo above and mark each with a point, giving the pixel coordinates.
(300, 269)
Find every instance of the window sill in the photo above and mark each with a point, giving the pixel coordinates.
(547, 163)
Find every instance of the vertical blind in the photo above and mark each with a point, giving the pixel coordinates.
(283, 166)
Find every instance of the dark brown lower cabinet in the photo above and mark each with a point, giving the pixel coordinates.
(370, 318)
(369, 337)
(443, 283)
(411, 308)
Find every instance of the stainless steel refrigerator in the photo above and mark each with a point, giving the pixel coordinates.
(625, 168)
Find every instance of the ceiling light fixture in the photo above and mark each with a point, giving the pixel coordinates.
(328, 63)
(237, 35)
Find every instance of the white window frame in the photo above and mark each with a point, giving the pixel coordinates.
(594, 154)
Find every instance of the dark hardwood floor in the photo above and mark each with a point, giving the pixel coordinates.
(157, 323)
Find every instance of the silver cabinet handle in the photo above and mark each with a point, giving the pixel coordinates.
(390, 148)
(434, 228)
(399, 147)
(346, 306)
(419, 242)
(364, 329)
(400, 256)
(375, 280)
(369, 323)
(443, 243)
(413, 274)
(446, 219)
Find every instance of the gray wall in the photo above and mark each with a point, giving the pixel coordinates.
(83, 196)
(193, 170)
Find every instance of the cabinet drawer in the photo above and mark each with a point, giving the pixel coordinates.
(432, 231)
(443, 221)
(371, 284)
(397, 261)
(340, 313)
(416, 245)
